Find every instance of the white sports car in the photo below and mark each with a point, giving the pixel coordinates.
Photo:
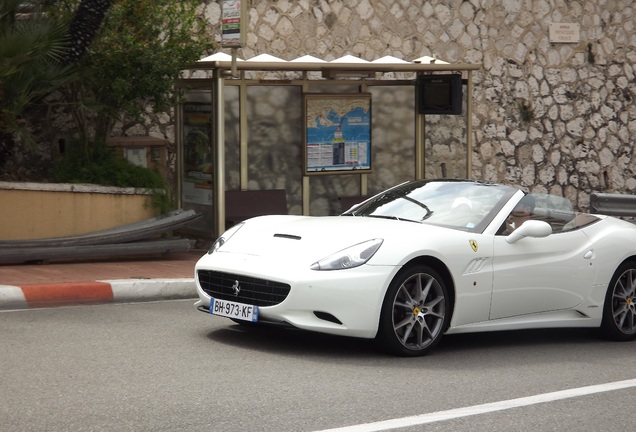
(427, 258)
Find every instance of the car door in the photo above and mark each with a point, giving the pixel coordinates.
(535, 275)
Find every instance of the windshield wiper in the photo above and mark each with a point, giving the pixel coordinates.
(384, 217)
(429, 212)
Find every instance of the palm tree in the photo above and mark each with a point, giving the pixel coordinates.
(38, 54)
(31, 47)
(86, 22)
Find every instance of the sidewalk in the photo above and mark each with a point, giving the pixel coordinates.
(98, 281)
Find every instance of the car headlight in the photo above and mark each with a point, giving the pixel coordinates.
(350, 257)
(224, 238)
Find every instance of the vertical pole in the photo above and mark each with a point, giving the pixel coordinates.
(178, 133)
(364, 178)
(306, 193)
(219, 142)
(420, 136)
(469, 126)
(243, 151)
(364, 184)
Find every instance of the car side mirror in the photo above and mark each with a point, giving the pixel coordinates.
(531, 228)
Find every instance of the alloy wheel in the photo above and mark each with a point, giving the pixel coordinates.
(419, 309)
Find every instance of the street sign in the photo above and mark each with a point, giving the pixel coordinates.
(233, 23)
(565, 33)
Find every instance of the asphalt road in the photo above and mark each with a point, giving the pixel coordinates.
(166, 367)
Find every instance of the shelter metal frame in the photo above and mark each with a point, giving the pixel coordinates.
(349, 70)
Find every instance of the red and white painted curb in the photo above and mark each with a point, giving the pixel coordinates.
(95, 292)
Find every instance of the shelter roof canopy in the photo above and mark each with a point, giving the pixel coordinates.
(266, 62)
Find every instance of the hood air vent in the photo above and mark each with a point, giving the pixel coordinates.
(288, 236)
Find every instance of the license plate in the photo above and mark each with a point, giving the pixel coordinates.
(230, 309)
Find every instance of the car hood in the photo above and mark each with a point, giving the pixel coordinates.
(313, 238)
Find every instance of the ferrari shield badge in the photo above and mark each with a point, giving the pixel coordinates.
(473, 244)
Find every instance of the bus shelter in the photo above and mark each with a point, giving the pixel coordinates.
(335, 98)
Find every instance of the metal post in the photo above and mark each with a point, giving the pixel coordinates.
(243, 138)
(305, 186)
(364, 189)
(178, 133)
(420, 137)
(306, 193)
(469, 125)
(219, 142)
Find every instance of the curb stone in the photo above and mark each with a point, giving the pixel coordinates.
(95, 292)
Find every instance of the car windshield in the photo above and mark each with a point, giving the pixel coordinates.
(465, 205)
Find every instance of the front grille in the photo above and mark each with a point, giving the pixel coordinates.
(254, 291)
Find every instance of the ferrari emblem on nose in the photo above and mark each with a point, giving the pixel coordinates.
(236, 288)
(473, 244)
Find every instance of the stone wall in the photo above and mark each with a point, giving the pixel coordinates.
(546, 116)
(555, 117)
(579, 139)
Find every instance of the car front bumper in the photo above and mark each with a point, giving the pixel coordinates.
(342, 302)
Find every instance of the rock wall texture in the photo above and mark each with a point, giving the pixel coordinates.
(556, 117)
(549, 117)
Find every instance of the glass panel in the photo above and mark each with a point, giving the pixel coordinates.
(393, 137)
(198, 159)
(392, 152)
(275, 141)
(326, 190)
(445, 145)
(232, 138)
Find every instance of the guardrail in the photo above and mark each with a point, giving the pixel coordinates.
(613, 204)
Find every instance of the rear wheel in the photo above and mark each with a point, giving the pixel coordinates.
(619, 311)
(415, 312)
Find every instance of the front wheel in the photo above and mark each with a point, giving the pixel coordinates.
(619, 311)
(415, 312)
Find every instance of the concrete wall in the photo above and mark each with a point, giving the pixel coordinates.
(35, 210)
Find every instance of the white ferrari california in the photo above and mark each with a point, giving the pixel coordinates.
(424, 259)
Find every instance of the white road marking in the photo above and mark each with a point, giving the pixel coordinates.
(484, 408)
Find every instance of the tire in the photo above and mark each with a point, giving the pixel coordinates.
(415, 312)
(619, 310)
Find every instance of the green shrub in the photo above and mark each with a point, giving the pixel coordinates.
(104, 168)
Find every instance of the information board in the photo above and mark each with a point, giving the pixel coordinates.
(198, 164)
(233, 23)
(337, 133)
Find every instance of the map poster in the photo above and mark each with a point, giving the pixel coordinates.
(337, 133)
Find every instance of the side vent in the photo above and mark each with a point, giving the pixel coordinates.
(476, 265)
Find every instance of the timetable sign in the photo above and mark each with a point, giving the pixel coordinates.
(233, 23)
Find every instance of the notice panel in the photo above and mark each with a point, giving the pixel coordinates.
(565, 33)
(233, 21)
(337, 133)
